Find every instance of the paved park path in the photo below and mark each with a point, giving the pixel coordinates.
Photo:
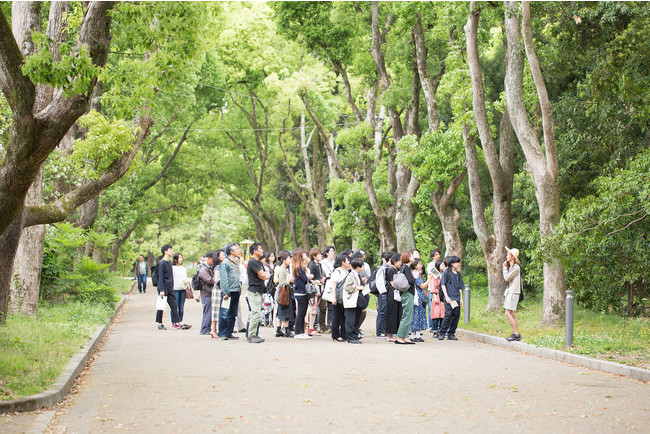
(177, 381)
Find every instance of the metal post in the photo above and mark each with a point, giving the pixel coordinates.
(568, 327)
(467, 304)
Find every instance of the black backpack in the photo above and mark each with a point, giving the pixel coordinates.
(154, 275)
(196, 282)
(372, 282)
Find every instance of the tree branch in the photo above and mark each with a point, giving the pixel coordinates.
(60, 209)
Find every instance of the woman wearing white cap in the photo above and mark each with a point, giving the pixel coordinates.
(512, 276)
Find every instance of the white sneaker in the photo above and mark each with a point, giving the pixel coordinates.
(302, 336)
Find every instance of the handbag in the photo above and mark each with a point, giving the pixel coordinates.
(362, 301)
(400, 282)
(310, 290)
(283, 296)
(161, 302)
(188, 292)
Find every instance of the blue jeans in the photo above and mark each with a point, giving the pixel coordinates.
(206, 321)
(180, 301)
(227, 316)
(382, 306)
(142, 283)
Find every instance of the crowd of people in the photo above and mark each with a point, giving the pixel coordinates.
(303, 294)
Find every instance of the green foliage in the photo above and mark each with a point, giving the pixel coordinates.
(34, 350)
(609, 231)
(104, 142)
(69, 274)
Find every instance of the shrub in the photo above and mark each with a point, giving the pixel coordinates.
(68, 273)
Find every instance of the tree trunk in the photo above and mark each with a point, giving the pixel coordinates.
(291, 223)
(304, 230)
(29, 256)
(542, 162)
(501, 168)
(445, 205)
(9, 240)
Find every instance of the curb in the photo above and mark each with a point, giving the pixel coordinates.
(561, 356)
(66, 379)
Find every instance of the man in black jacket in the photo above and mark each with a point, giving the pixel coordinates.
(166, 288)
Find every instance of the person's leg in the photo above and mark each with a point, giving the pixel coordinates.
(429, 319)
(206, 319)
(322, 315)
(455, 316)
(180, 302)
(171, 301)
(330, 314)
(232, 312)
(512, 319)
(350, 320)
(312, 309)
(300, 316)
(336, 322)
(407, 315)
(255, 301)
(144, 283)
(444, 327)
(140, 283)
(382, 308)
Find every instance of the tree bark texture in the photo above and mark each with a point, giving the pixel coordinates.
(501, 169)
(542, 162)
(444, 203)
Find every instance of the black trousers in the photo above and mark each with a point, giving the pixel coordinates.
(171, 301)
(352, 322)
(302, 301)
(338, 321)
(450, 322)
(393, 316)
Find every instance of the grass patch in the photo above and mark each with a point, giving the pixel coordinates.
(35, 350)
(598, 335)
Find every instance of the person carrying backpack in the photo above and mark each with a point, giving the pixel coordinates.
(165, 284)
(206, 279)
(341, 269)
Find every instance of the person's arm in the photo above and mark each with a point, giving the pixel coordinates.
(350, 284)
(510, 274)
(462, 287)
(409, 275)
(205, 276)
(443, 285)
(223, 274)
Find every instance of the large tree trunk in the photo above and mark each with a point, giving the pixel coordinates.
(9, 240)
(445, 205)
(501, 168)
(542, 162)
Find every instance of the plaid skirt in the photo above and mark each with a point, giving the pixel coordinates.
(216, 298)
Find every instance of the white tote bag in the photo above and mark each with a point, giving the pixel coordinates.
(328, 292)
(350, 300)
(161, 302)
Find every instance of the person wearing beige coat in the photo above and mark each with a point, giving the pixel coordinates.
(512, 276)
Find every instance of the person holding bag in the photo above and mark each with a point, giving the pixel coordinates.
(393, 299)
(285, 313)
(407, 299)
(452, 288)
(351, 295)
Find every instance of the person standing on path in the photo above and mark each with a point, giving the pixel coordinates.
(141, 269)
(181, 282)
(256, 287)
(206, 277)
(230, 291)
(382, 302)
(351, 294)
(452, 287)
(285, 313)
(407, 299)
(166, 288)
(432, 271)
(393, 299)
(217, 259)
(301, 277)
(512, 276)
(326, 312)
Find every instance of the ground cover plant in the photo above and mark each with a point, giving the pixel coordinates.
(35, 350)
(600, 335)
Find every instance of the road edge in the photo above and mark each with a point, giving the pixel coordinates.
(66, 379)
(561, 356)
